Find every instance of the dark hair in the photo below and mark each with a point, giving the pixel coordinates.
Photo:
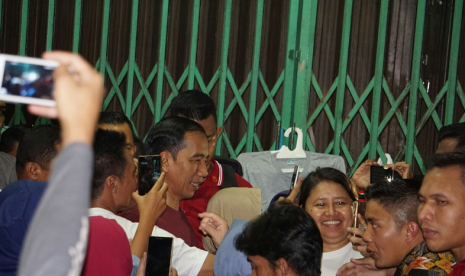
(39, 146)
(115, 118)
(168, 134)
(451, 131)
(323, 174)
(398, 198)
(460, 144)
(448, 159)
(11, 136)
(109, 158)
(284, 231)
(194, 105)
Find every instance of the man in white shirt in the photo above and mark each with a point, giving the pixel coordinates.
(113, 188)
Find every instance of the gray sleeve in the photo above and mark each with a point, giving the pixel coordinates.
(56, 240)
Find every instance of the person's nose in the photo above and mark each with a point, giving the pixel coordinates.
(367, 235)
(425, 212)
(202, 170)
(330, 210)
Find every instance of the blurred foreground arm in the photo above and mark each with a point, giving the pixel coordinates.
(56, 240)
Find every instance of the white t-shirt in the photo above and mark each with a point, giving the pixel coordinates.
(186, 260)
(333, 260)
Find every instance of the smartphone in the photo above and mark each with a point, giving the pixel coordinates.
(27, 80)
(159, 256)
(149, 172)
(295, 177)
(359, 208)
(378, 173)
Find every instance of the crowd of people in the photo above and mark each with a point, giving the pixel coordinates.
(69, 200)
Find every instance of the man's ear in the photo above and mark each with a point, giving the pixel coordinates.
(282, 268)
(413, 230)
(166, 159)
(110, 184)
(33, 171)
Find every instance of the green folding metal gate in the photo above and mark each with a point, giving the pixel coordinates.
(296, 83)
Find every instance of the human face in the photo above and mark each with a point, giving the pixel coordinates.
(188, 171)
(330, 207)
(260, 266)
(447, 145)
(441, 212)
(383, 236)
(212, 131)
(124, 128)
(127, 185)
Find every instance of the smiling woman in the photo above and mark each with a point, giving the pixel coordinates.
(327, 198)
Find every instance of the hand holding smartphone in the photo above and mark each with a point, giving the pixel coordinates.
(149, 172)
(295, 177)
(27, 80)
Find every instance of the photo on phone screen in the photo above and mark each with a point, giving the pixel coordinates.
(149, 172)
(295, 177)
(159, 256)
(27, 80)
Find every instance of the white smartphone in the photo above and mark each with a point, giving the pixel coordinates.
(26, 80)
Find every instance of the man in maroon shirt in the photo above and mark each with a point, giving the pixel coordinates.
(199, 107)
(441, 212)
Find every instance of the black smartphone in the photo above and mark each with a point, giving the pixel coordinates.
(295, 177)
(159, 256)
(378, 173)
(149, 172)
(27, 80)
(359, 208)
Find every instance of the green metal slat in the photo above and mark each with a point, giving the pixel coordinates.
(77, 25)
(342, 75)
(358, 107)
(431, 107)
(323, 104)
(269, 98)
(115, 88)
(193, 48)
(132, 58)
(453, 62)
(394, 108)
(346, 152)
(255, 76)
(416, 62)
(22, 52)
(104, 42)
(161, 61)
(290, 65)
(143, 93)
(50, 21)
(378, 85)
(223, 70)
(304, 73)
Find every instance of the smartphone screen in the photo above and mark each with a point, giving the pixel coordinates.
(159, 256)
(27, 80)
(295, 177)
(149, 172)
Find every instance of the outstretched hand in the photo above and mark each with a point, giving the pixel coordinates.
(213, 226)
(355, 237)
(78, 94)
(153, 204)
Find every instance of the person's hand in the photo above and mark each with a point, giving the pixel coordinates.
(355, 237)
(173, 272)
(214, 226)
(142, 265)
(153, 204)
(363, 267)
(361, 176)
(292, 197)
(78, 96)
(402, 168)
